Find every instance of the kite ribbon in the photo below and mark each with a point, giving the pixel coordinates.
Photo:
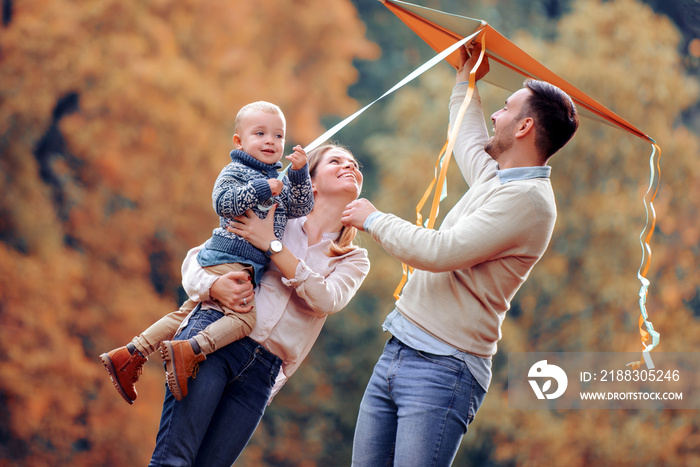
(443, 161)
(407, 270)
(648, 334)
(410, 77)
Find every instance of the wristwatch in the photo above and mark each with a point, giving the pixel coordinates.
(274, 248)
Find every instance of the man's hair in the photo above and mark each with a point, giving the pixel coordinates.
(258, 106)
(555, 116)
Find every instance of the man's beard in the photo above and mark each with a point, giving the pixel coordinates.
(497, 146)
(502, 142)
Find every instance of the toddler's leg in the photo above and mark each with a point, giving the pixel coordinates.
(234, 325)
(125, 364)
(182, 357)
(148, 342)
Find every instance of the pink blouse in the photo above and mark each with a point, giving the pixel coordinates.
(291, 313)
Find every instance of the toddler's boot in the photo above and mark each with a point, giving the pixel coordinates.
(124, 367)
(181, 362)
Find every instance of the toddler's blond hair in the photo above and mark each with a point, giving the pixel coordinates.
(258, 106)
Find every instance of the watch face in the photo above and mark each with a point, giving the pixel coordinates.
(276, 246)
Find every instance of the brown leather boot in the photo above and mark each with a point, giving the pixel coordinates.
(124, 369)
(180, 363)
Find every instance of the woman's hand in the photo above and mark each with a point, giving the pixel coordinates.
(258, 232)
(233, 290)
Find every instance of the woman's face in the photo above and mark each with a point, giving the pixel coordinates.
(337, 172)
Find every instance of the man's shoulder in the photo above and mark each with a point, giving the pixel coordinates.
(534, 194)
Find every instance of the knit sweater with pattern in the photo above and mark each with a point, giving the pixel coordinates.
(243, 185)
(469, 269)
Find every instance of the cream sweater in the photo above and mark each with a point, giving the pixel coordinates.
(468, 270)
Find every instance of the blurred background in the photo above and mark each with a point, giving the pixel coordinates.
(116, 117)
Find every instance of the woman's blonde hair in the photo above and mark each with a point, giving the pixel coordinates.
(345, 242)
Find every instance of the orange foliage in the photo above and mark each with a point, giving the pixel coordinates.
(115, 122)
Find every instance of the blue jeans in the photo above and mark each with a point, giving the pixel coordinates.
(225, 402)
(415, 410)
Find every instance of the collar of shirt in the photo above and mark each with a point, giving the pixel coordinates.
(523, 173)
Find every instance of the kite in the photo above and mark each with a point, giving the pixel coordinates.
(509, 65)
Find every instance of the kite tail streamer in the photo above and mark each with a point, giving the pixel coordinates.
(439, 179)
(407, 270)
(650, 338)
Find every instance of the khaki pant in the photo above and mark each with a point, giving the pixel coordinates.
(230, 328)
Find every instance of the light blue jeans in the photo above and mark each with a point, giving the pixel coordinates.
(415, 410)
(225, 402)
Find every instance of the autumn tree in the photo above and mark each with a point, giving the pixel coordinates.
(115, 120)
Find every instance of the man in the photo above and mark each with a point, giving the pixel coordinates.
(434, 372)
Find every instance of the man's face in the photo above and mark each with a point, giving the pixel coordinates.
(505, 124)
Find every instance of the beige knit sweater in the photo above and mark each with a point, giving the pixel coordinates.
(468, 270)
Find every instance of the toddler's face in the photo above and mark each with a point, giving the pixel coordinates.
(261, 134)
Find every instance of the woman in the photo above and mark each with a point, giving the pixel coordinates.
(316, 273)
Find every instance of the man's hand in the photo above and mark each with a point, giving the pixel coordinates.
(469, 54)
(233, 290)
(357, 212)
(298, 158)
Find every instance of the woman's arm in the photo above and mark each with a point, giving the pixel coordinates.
(323, 294)
(229, 290)
(259, 233)
(329, 294)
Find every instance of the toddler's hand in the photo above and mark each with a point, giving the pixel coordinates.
(275, 186)
(298, 158)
